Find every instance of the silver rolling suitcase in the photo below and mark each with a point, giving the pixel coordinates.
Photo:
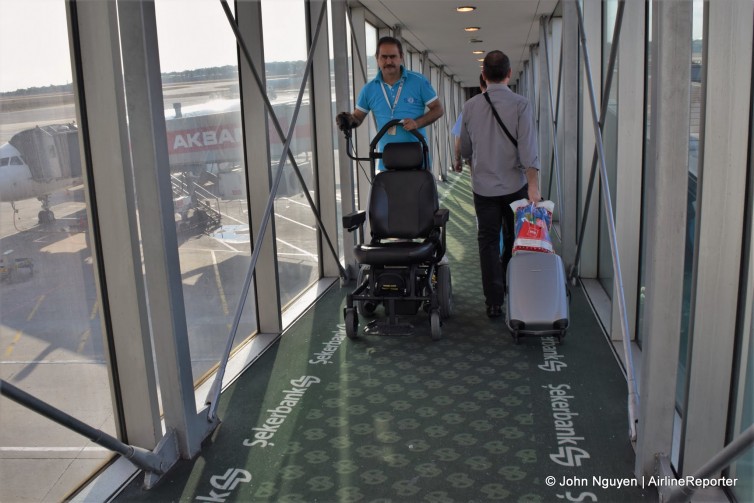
(537, 298)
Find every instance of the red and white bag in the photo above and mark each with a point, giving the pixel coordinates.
(532, 226)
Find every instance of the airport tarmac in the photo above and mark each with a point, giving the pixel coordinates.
(51, 335)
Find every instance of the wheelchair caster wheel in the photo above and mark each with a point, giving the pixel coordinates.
(444, 291)
(434, 325)
(352, 322)
(365, 308)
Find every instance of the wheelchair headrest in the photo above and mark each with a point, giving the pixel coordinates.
(403, 155)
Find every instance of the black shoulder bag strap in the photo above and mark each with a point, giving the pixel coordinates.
(500, 121)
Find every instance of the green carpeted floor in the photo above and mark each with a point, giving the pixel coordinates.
(471, 418)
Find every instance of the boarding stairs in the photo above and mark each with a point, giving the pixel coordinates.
(196, 208)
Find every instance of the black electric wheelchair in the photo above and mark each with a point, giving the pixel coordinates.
(401, 266)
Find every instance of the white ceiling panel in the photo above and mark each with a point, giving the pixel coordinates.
(434, 25)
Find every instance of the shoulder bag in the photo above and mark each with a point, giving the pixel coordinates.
(500, 121)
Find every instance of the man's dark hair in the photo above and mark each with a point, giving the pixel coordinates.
(496, 66)
(389, 40)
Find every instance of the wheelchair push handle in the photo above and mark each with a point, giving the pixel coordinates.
(373, 154)
(346, 125)
(390, 124)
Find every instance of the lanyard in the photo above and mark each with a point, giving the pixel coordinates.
(395, 102)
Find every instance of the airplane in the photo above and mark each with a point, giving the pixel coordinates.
(49, 162)
(39, 161)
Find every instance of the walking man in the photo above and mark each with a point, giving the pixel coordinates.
(506, 169)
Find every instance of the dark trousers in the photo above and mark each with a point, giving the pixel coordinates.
(494, 213)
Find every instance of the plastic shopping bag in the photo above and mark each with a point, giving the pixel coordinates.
(532, 227)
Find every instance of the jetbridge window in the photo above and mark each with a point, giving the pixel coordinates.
(285, 52)
(52, 338)
(200, 85)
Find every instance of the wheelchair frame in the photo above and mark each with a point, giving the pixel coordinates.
(426, 284)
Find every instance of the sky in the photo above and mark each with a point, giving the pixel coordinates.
(191, 33)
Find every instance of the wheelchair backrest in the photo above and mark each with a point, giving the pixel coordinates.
(403, 199)
(403, 155)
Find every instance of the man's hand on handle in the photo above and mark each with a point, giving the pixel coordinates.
(346, 121)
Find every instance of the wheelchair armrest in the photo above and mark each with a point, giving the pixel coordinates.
(441, 217)
(353, 221)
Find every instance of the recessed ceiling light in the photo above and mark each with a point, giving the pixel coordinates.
(477, 52)
(475, 41)
(480, 59)
(471, 28)
(466, 8)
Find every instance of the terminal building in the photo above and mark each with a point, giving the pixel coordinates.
(177, 317)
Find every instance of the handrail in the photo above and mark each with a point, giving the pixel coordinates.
(633, 395)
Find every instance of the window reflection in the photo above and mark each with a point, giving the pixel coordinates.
(205, 148)
(285, 53)
(51, 337)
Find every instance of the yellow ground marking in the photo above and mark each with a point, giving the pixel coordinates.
(219, 283)
(17, 337)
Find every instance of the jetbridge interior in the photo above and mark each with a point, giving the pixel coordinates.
(140, 363)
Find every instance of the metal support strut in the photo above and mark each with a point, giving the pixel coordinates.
(719, 461)
(153, 462)
(633, 395)
(603, 113)
(214, 392)
(555, 123)
(553, 119)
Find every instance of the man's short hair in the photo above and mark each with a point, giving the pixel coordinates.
(496, 66)
(391, 41)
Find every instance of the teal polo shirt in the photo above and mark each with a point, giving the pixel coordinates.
(415, 94)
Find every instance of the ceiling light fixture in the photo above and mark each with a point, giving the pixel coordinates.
(471, 28)
(475, 41)
(480, 59)
(466, 8)
(477, 52)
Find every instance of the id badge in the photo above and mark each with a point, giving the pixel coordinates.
(391, 131)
